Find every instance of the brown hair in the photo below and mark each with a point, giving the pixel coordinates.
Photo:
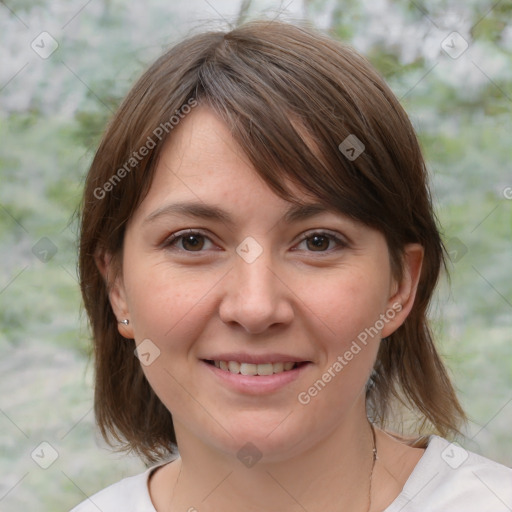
(275, 85)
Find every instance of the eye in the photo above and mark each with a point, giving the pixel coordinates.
(189, 241)
(320, 241)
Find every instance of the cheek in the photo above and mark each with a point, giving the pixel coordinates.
(343, 312)
(169, 308)
(346, 303)
(163, 300)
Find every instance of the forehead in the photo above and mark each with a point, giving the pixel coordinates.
(202, 147)
(201, 161)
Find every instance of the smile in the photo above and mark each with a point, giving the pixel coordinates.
(254, 369)
(252, 375)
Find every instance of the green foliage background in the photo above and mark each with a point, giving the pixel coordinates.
(53, 112)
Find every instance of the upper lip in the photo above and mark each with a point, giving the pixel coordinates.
(255, 358)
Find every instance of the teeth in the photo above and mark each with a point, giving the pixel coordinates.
(248, 369)
(265, 369)
(278, 367)
(234, 366)
(254, 369)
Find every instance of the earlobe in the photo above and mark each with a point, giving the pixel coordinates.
(112, 276)
(404, 292)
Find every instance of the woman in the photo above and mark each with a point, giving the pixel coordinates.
(258, 253)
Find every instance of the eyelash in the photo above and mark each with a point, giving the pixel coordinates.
(171, 241)
(339, 242)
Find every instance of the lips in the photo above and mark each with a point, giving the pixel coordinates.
(254, 375)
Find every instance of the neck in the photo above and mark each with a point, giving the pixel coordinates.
(334, 474)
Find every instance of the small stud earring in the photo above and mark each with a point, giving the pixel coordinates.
(124, 322)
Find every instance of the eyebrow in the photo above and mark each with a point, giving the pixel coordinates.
(200, 210)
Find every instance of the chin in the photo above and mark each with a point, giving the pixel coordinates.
(264, 440)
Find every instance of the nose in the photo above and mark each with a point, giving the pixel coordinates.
(256, 297)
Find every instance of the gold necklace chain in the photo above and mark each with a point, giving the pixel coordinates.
(374, 460)
(374, 455)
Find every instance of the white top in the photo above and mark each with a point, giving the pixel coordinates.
(447, 478)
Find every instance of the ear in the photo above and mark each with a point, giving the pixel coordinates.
(403, 293)
(112, 275)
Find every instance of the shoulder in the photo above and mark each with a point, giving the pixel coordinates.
(129, 495)
(448, 477)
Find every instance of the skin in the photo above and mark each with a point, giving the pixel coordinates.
(296, 298)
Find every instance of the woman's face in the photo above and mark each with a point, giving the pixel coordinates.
(221, 276)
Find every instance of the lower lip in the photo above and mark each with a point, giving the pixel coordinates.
(256, 384)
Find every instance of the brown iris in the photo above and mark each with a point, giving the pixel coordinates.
(193, 242)
(318, 242)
